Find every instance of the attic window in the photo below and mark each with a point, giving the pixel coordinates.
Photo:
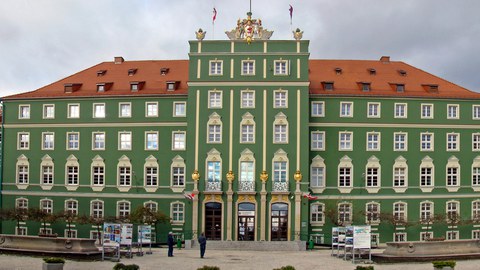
(327, 86)
(164, 71)
(338, 71)
(102, 87)
(136, 86)
(402, 72)
(372, 71)
(431, 88)
(132, 71)
(172, 85)
(101, 72)
(71, 87)
(400, 88)
(365, 86)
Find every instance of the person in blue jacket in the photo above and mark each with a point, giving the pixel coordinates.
(202, 240)
(170, 243)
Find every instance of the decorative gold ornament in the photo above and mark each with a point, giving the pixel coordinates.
(230, 176)
(298, 34)
(200, 34)
(195, 175)
(264, 176)
(297, 176)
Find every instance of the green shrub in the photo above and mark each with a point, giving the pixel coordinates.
(121, 266)
(440, 264)
(359, 267)
(206, 267)
(53, 260)
(288, 267)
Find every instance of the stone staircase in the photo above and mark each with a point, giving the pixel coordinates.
(250, 245)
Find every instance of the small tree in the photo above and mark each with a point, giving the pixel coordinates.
(15, 214)
(145, 215)
(69, 217)
(43, 217)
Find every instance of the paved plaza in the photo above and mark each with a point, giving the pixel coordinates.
(230, 260)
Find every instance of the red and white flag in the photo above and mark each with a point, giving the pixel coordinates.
(214, 15)
(189, 196)
(309, 196)
(291, 13)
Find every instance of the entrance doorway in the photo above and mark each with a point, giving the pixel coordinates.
(279, 222)
(246, 222)
(213, 221)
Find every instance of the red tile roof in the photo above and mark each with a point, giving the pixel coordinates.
(387, 74)
(382, 75)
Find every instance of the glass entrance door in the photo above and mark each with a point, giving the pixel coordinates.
(279, 222)
(246, 222)
(213, 221)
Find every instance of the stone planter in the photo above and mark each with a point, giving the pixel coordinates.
(52, 266)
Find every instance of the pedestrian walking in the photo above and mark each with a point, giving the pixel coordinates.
(170, 243)
(202, 240)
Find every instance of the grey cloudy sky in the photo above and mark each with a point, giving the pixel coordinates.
(42, 41)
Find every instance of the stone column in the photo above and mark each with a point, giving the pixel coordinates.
(230, 178)
(298, 204)
(263, 206)
(195, 178)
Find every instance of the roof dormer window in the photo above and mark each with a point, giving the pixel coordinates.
(402, 72)
(327, 86)
(400, 88)
(71, 87)
(101, 72)
(338, 71)
(172, 85)
(132, 71)
(100, 87)
(164, 71)
(372, 71)
(104, 86)
(136, 86)
(365, 86)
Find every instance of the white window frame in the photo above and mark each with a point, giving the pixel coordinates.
(215, 99)
(24, 111)
(400, 174)
(398, 144)
(179, 109)
(72, 177)
(373, 173)
(177, 212)
(46, 205)
(97, 209)
(21, 143)
(280, 99)
(345, 173)
(426, 111)
(372, 214)
(453, 142)
(99, 142)
(124, 208)
(48, 144)
(124, 176)
(71, 143)
(281, 67)
(177, 172)
(427, 145)
(453, 111)
(476, 112)
(247, 99)
(427, 178)
(179, 140)
(125, 143)
(345, 210)
(151, 109)
(318, 174)
(248, 67)
(373, 141)
(346, 109)
(247, 129)
(401, 110)
(317, 214)
(400, 211)
(151, 140)
(99, 110)
(476, 173)
(47, 176)
(97, 176)
(71, 113)
(345, 141)
(476, 211)
(318, 109)
(475, 142)
(127, 113)
(151, 172)
(427, 211)
(48, 111)
(71, 206)
(215, 67)
(373, 110)
(317, 140)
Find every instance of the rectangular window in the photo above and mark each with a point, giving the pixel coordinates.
(124, 176)
(345, 141)
(73, 111)
(344, 177)
(318, 109)
(344, 213)
(317, 141)
(21, 231)
(151, 140)
(372, 177)
(48, 140)
(346, 109)
(427, 111)
(373, 141)
(373, 110)
(476, 176)
(452, 176)
(69, 233)
(72, 175)
(248, 99)
(476, 234)
(280, 134)
(453, 235)
(280, 99)
(23, 141)
(125, 110)
(98, 141)
(248, 133)
(178, 176)
(400, 141)
(24, 111)
(71, 207)
(426, 174)
(73, 141)
(98, 175)
(48, 111)
(399, 176)
(214, 133)
(246, 174)
(214, 99)
(178, 141)
(213, 172)
(373, 213)
(475, 112)
(47, 175)
(426, 142)
(179, 109)
(400, 212)
(177, 212)
(453, 111)
(98, 110)
(425, 236)
(280, 172)
(317, 177)
(123, 209)
(400, 110)
(22, 174)
(476, 142)
(426, 212)
(124, 141)
(151, 109)
(317, 213)
(151, 176)
(96, 209)
(281, 67)
(248, 67)
(452, 142)
(216, 68)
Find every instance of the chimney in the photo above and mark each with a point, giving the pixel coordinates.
(385, 59)
(118, 60)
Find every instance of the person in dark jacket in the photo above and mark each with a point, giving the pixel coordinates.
(203, 244)
(170, 243)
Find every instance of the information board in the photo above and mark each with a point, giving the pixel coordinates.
(145, 234)
(362, 236)
(111, 234)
